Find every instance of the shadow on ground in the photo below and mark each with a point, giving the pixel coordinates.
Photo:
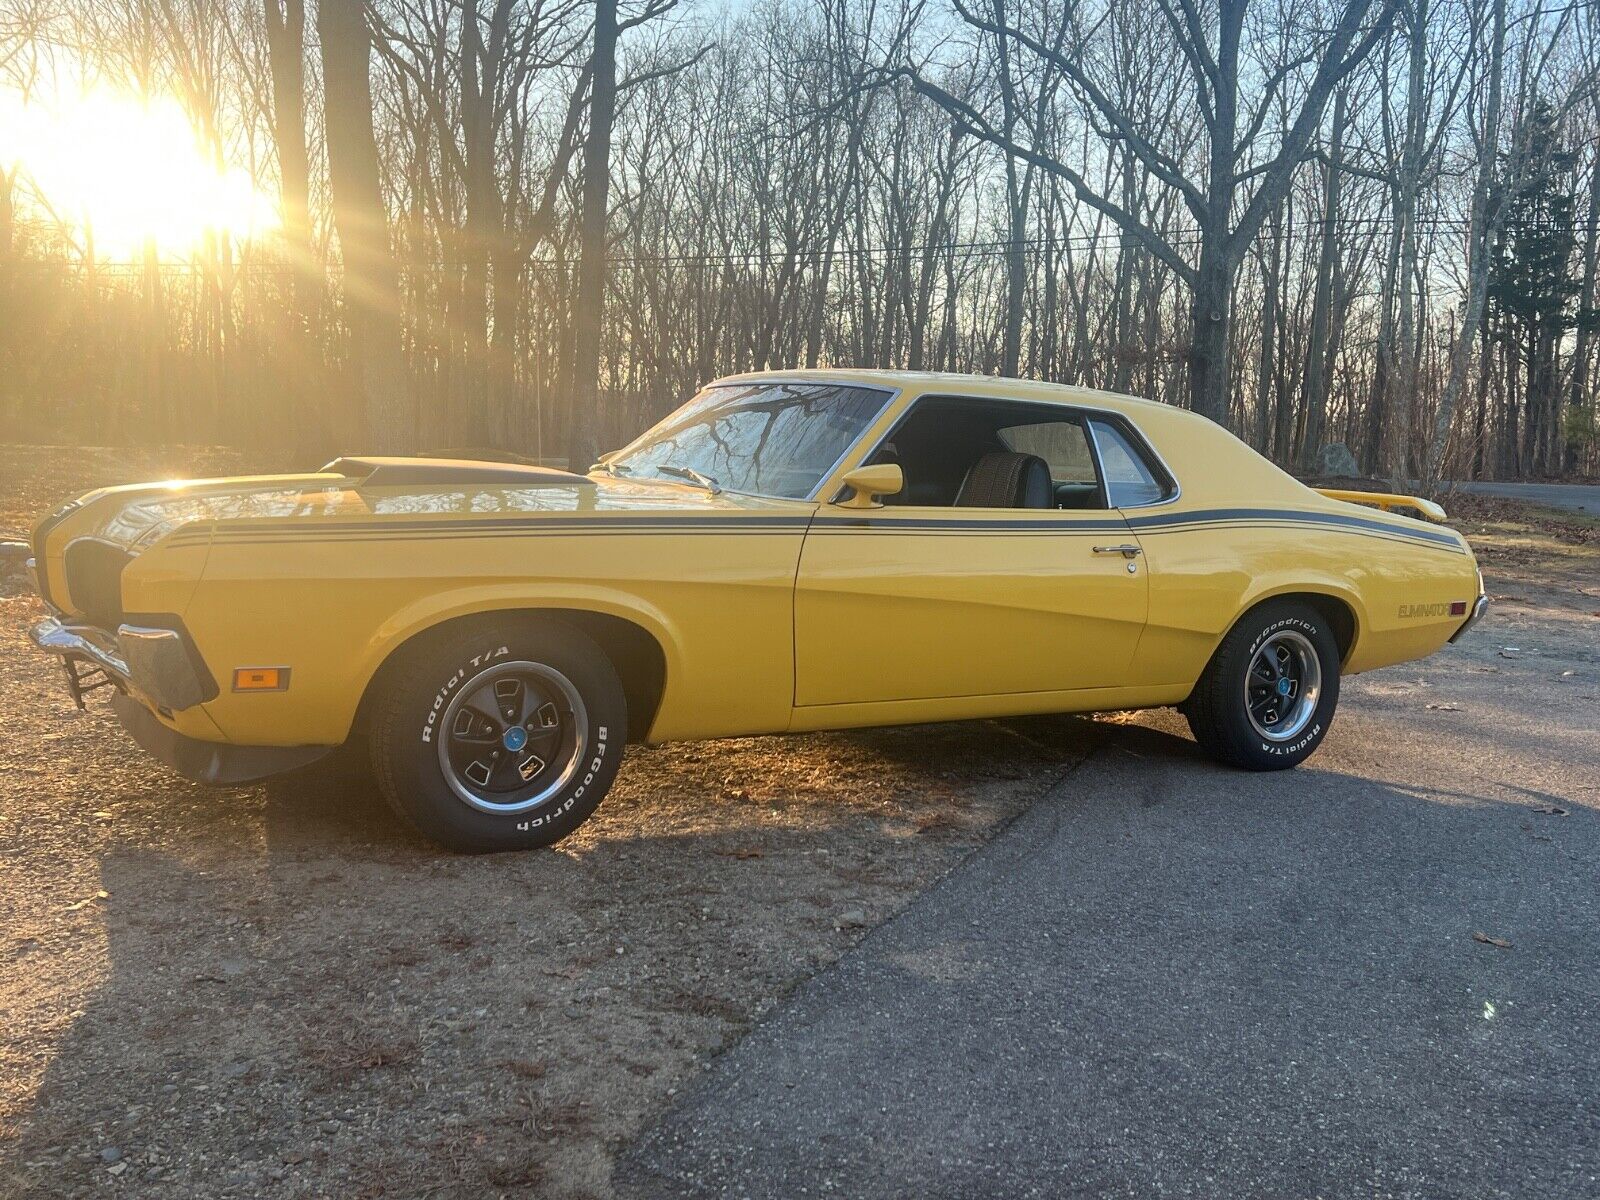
(283, 991)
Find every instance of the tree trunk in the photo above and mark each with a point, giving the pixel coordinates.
(286, 41)
(1124, 341)
(384, 416)
(1211, 311)
(483, 218)
(1578, 389)
(1484, 221)
(588, 318)
(1394, 456)
(286, 37)
(1211, 321)
(1378, 399)
(1318, 366)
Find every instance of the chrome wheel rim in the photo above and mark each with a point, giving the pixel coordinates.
(513, 737)
(1283, 685)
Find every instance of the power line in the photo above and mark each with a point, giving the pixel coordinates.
(969, 249)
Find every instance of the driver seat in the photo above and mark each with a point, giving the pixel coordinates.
(1007, 480)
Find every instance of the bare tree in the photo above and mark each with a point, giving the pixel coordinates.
(371, 277)
(1227, 222)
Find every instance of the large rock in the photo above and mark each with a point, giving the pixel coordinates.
(1335, 459)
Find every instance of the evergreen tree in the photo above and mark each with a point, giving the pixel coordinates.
(1534, 288)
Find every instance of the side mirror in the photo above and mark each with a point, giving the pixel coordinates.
(867, 484)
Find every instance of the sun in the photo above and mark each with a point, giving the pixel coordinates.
(121, 172)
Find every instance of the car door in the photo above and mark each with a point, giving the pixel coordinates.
(922, 601)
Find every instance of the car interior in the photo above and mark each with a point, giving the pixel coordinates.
(967, 453)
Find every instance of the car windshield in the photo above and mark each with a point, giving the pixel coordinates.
(772, 439)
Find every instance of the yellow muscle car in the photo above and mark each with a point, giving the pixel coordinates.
(787, 551)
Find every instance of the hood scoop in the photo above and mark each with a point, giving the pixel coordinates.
(439, 472)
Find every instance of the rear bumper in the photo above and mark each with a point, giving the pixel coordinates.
(1479, 607)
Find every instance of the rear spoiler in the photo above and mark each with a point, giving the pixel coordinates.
(1388, 502)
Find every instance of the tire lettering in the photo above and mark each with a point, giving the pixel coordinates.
(439, 701)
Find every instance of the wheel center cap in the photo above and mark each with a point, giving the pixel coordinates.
(1283, 690)
(515, 738)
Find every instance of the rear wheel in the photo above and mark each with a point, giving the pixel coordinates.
(500, 737)
(1267, 697)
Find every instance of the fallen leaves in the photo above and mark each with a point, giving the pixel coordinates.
(88, 900)
(1445, 707)
(928, 822)
(1479, 935)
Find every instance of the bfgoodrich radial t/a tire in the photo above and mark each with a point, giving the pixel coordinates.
(1267, 697)
(501, 736)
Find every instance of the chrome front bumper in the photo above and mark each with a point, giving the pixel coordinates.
(156, 663)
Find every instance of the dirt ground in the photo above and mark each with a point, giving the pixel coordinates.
(276, 990)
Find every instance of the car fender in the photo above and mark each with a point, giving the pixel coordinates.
(1320, 583)
(434, 609)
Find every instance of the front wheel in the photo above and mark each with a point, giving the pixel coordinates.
(500, 736)
(1267, 697)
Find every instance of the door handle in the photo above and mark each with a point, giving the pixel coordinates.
(1126, 550)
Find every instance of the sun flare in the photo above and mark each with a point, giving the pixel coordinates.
(126, 171)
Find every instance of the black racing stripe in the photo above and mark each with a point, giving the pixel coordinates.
(1398, 539)
(1155, 521)
(475, 535)
(456, 524)
(588, 525)
(829, 524)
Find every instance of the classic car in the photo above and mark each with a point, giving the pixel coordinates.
(788, 551)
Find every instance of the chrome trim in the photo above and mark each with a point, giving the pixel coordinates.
(1144, 441)
(84, 642)
(1127, 551)
(154, 662)
(1479, 608)
(1097, 460)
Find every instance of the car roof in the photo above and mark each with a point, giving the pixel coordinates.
(990, 386)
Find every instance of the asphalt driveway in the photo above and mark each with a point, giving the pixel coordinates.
(1574, 497)
(1169, 979)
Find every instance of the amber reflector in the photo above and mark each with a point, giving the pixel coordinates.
(260, 679)
(1458, 608)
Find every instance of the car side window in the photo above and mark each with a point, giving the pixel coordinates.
(1129, 480)
(1062, 444)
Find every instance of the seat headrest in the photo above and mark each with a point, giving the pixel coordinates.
(1007, 480)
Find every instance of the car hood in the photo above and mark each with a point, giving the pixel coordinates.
(138, 515)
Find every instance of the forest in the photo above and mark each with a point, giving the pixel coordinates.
(1363, 234)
